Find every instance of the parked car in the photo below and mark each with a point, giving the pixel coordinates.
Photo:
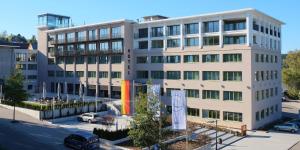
(290, 127)
(82, 140)
(89, 117)
(295, 121)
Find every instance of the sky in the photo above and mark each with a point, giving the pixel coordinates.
(20, 16)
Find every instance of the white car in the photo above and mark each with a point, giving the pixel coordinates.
(89, 117)
(291, 127)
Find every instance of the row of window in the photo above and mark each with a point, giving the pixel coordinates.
(266, 58)
(266, 75)
(90, 74)
(116, 59)
(102, 46)
(25, 57)
(190, 75)
(215, 114)
(235, 57)
(265, 94)
(266, 42)
(267, 30)
(260, 115)
(26, 67)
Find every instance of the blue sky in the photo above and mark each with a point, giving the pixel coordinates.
(20, 16)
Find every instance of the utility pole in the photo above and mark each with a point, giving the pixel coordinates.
(216, 134)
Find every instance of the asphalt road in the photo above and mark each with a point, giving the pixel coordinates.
(29, 133)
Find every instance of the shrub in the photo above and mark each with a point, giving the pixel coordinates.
(111, 135)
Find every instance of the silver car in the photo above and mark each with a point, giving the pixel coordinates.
(89, 117)
(290, 127)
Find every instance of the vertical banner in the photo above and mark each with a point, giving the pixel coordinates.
(178, 110)
(153, 92)
(125, 97)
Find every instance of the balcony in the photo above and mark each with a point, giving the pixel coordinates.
(85, 52)
(116, 35)
(138, 35)
(81, 39)
(157, 34)
(234, 25)
(104, 36)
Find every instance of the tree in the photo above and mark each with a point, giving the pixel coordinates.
(32, 40)
(13, 89)
(291, 74)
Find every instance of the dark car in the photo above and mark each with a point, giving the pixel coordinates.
(82, 141)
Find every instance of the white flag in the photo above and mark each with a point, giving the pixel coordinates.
(178, 110)
(153, 93)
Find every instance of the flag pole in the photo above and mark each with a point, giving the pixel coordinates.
(186, 123)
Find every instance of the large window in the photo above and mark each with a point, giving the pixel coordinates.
(234, 25)
(210, 58)
(143, 44)
(211, 40)
(191, 58)
(142, 74)
(211, 26)
(69, 74)
(80, 60)
(103, 46)
(157, 59)
(81, 36)
(70, 37)
(235, 39)
(116, 74)
(210, 94)
(157, 31)
(69, 60)
(173, 59)
(92, 35)
(51, 73)
(143, 33)
(32, 66)
(103, 59)
(91, 60)
(232, 76)
(81, 47)
(192, 93)
(232, 116)
(157, 74)
(116, 46)
(191, 41)
(103, 74)
(21, 57)
(173, 75)
(60, 60)
(192, 28)
(232, 57)
(59, 74)
(168, 91)
(117, 59)
(210, 75)
(92, 46)
(173, 42)
(79, 74)
(116, 32)
(70, 47)
(21, 66)
(191, 75)
(173, 30)
(193, 112)
(92, 74)
(61, 38)
(104, 33)
(141, 59)
(232, 96)
(157, 43)
(213, 114)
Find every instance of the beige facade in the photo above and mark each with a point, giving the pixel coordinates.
(228, 63)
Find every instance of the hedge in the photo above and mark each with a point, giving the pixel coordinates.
(111, 135)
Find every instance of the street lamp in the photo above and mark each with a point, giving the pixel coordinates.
(215, 121)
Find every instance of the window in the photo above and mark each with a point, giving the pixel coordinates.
(192, 28)
(32, 66)
(157, 43)
(92, 35)
(211, 26)
(142, 74)
(60, 60)
(143, 33)
(92, 74)
(173, 75)
(257, 116)
(235, 39)
(262, 75)
(104, 33)
(91, 60)
(103, 59)
(69, 74)
(157, 31)
(103, 74)
(79, 74)
(191, 41)
(232, 76)
(141, 59)
(191, 58)
(255, 26)
(20, 57)
(232, 116)
(262, 58)
(193, 112)
(276, 74)
(61, 38)
(69, 60)
(173, 59)
(70, 47)
(256, 57)
(210, 75)
(257, 75)
(157, 74)
(257, 95)
(234, 25)
(173, 42)
(115, 74)
(232, 96)
(191, 75)
(31, 77)
(262, 94)
(173, 30)
(117, 59)
(157, 59)
(116, 46)
(232, 57)
(70, 37)
(192, 93)
(116, 32)
(103, 46)
(51, 61)
(213, 114)
(210, 94)
(92, 46)
(51, 73)
(168, 91)
(212, 40)
(80, 60)
(81, 47)
(262, 114)
(81, 36)
(210, 58)
(143, 44)
(59, 74)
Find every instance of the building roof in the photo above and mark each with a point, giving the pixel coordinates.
(50, 14)
(14, 44)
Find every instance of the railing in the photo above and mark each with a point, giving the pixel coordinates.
(104, 36)
(85, 52)
(157, 34)
(116, 35)
(137, 36)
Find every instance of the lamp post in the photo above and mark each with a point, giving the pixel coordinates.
(215, 121)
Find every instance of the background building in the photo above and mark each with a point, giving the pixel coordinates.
(228, 62)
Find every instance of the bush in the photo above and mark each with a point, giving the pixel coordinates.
(111, 135)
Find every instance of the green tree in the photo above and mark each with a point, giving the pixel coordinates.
(291, 73)
(13, 89)
(32, 40)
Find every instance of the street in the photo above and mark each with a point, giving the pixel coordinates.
(29, 133)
